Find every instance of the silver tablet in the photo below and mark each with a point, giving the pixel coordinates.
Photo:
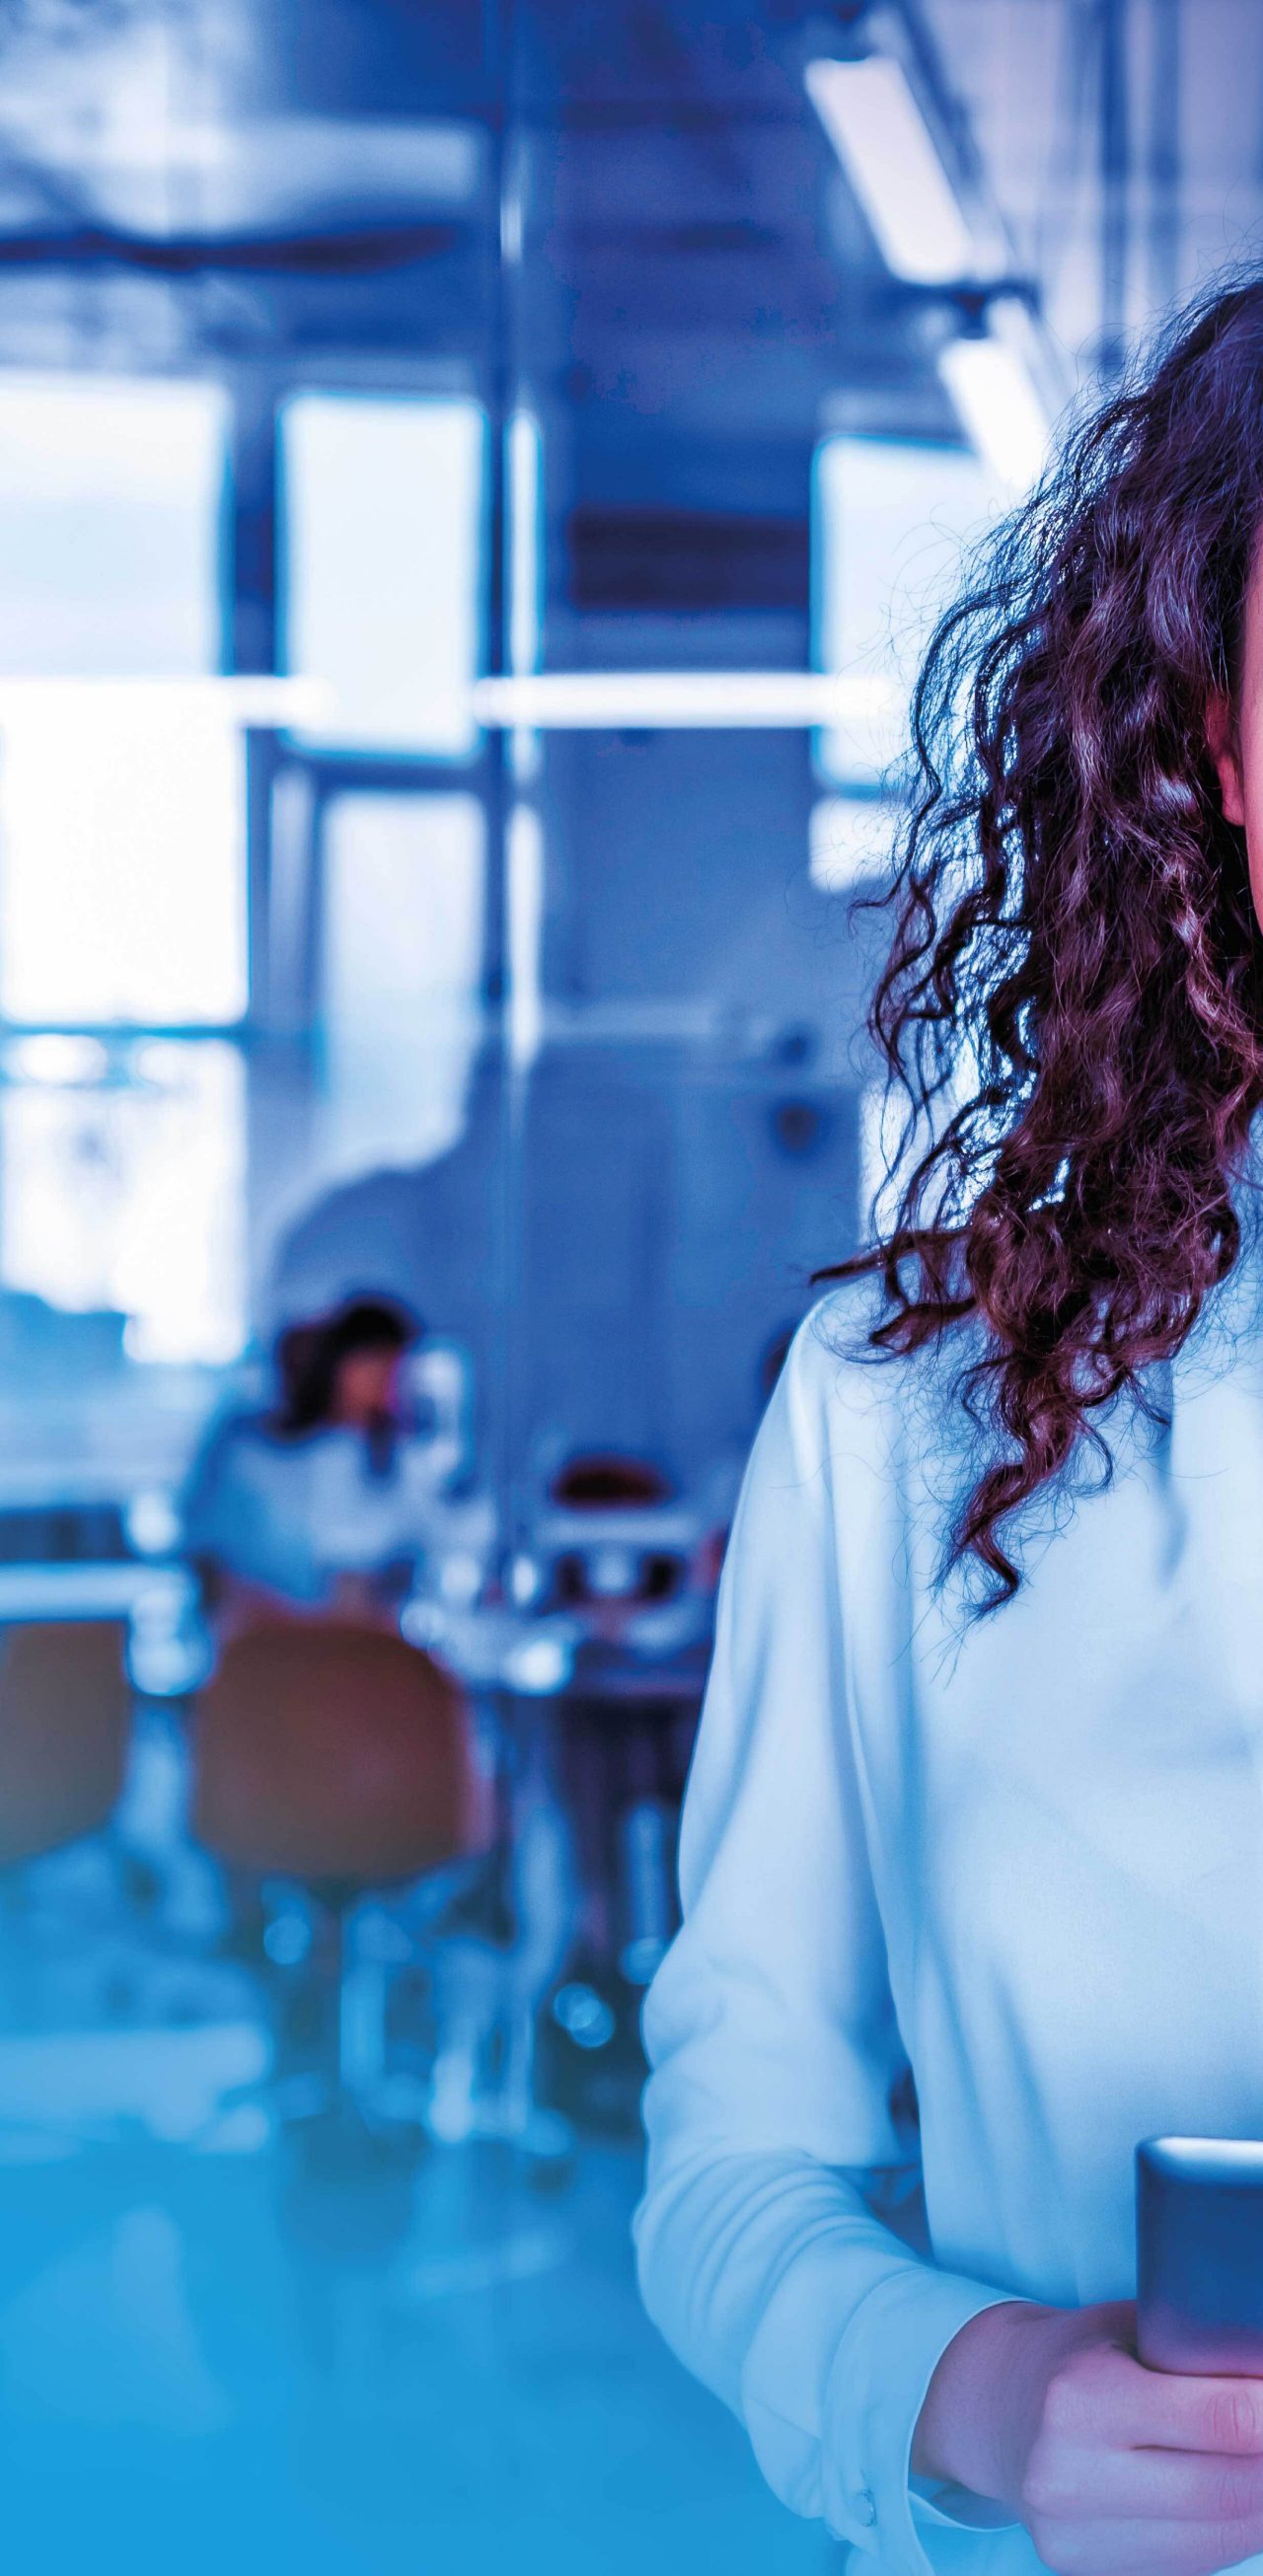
(1199, 2254)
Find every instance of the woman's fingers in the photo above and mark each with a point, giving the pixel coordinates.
(1142, 2548)
(1109, 2397)
(1205, 2414)
(1169, 2485)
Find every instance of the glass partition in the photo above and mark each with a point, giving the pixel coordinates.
(459, 585)
(473, 486)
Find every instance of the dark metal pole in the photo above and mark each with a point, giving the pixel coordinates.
(1164, 153)
(504, 1411)
(1114, 170)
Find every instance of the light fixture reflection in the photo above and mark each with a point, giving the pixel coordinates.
(1000, 410)
(581, 701)
(880, 135)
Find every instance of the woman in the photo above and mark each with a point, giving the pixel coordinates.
(321, 1505)
(972, 1855)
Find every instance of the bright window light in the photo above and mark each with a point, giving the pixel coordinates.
(380, 565)
(852, 841)
(1000, 410)
(525, 856)
(881, 138)
(58, 1058)
(401, 974)
(524, 469)
(128, 1191)
(122, 858)
(111, 505)
(891, 520)
(525, 480)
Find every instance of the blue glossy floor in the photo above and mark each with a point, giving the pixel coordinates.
(202, 2370)
(220, 2350)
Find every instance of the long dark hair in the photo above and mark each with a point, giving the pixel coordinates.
(309, 1356)
(1076, 969)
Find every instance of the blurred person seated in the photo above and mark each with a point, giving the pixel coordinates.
(327, 1505)
(323, 1505)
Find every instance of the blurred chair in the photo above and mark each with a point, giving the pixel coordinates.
(339, 1757)
(64, 1724)
(607, 1480)
(65, 1717)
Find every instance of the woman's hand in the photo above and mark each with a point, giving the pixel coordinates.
(1115, 2470)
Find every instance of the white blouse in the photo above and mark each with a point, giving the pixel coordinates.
(1008, 1876)
(293, 1513)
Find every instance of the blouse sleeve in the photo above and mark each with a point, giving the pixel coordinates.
(204, 1520)
(239, 1511)
(773, 2109)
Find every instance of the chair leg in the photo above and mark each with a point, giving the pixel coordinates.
(386, 2110)
(361, 2016)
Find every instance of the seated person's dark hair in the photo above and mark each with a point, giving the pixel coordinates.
(308, 1356)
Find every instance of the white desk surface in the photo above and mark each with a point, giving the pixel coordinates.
(84, 1591)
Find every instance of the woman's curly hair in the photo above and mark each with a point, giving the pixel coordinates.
(1076, 968)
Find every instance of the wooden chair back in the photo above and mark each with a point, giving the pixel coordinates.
(65, 1709)
(330, 1752)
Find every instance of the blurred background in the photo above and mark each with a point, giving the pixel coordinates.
(473, 482)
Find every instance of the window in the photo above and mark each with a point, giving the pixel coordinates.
(852, 841)
(381, 512)
(122, 859)
(892, 519)
(122, 863)
(111, 500)
(401, 969)
(122, 1185)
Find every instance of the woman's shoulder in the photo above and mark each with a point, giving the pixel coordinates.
(835, 1356)
(844, 1317)
(848, 1392)
(238, 1439)
(835, 1409)
(242, 1426)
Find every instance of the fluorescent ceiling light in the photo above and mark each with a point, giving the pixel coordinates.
(889, 155)
(583, 701)
(1000, 410)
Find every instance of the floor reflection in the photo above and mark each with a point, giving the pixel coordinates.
(273, 2360)
(231, 2345)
